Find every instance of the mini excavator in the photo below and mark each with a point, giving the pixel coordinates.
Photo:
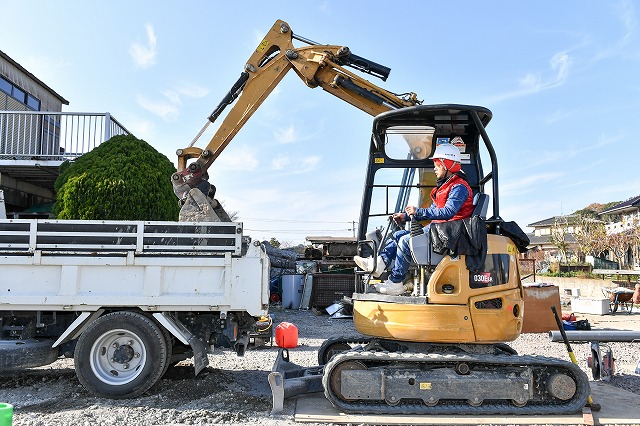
(440, 348)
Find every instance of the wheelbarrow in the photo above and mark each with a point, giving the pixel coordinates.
(618, 296)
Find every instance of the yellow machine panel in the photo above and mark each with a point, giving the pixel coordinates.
(461, 306)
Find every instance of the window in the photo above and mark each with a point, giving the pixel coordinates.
(404, 142)
(23, 97)
(5, 86)
(33, 103)
(18, 94)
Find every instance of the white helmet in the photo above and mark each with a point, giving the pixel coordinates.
(447, 151)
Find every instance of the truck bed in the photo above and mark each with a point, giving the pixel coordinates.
(156, 266)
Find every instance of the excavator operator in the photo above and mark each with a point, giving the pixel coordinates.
(452, 199)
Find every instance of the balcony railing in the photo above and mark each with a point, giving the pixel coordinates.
(54, 136)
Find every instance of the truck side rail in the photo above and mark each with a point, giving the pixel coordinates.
(142, 238)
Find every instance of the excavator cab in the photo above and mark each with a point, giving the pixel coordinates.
(450, 298)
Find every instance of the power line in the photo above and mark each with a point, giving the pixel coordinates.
(284, 231)
(293, 220)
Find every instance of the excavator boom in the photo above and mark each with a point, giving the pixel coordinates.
(316, 64)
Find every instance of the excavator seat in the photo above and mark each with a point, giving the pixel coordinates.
(420, 245)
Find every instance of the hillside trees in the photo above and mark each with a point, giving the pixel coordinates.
(124, 178)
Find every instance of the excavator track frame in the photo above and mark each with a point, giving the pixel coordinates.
(385, 363)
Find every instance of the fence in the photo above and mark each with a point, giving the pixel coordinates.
(527, 268)
(600, 263)
(26, 135)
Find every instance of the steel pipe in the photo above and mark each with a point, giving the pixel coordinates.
(597, 336)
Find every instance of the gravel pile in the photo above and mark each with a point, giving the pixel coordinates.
(234, 390)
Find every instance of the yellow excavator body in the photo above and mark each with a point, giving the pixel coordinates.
(456, 312)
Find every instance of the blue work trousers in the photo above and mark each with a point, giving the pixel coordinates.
(398, 251)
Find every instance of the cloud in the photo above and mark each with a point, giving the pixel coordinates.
(144, 55)
(280, 162)
(558, 116)
(164, 109)
(309, 163)
(519, 186)
(535, 82)
(175, 95)
(627, 17)
(539, 159)
(168, 108)
(240, 157)
(143, 129)
(294, 166)
(560, 63)
(43, 66)
(286, 136)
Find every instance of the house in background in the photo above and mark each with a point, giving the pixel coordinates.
(540, 245)
(625, 217)
(36, 137)
(622, 217)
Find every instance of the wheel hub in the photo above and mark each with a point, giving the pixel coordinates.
(123, 354)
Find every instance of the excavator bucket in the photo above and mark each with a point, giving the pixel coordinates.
(198, 207)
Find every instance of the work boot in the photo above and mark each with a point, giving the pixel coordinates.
(391, 288)
(366, 264)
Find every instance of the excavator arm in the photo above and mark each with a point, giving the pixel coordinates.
(317, 65)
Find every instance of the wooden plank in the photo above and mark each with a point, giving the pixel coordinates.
(315, 408)
(618, 407)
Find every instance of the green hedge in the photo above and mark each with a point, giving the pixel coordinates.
(124, 178)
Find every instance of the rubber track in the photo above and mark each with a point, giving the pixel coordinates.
(353, 340)
(533, 407)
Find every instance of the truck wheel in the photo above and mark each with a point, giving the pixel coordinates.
(169, 339)
(121, 355)
(16, 355)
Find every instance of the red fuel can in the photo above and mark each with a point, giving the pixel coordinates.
(286, 335)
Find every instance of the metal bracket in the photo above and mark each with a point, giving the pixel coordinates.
(288, 379)
(78, 326)
(175, 327)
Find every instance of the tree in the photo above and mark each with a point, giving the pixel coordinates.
(124, 178)
(634, 237)
(591, 235)
(274, 242)
(558, 238)
(618, 243)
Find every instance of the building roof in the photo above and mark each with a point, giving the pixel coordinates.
(40, 82)
(538, 240)
(568, 219)
(632, 203)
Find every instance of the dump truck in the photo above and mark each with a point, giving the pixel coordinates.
(127, 299)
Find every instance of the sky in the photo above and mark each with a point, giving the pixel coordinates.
(561, 78)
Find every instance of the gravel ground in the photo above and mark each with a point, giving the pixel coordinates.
(234, 390)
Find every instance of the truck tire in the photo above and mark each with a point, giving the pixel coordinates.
(17, 355)
(169, 339)
(121, 355)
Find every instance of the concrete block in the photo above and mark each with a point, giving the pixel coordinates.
(590, 306)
